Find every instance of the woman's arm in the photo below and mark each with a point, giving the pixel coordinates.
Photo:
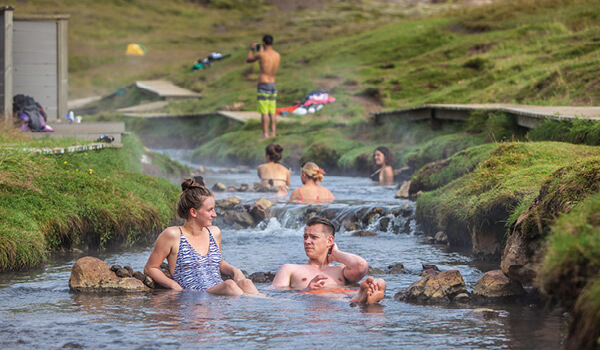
(162, 249)
(386, 177)
(230, 270)
(225, 267)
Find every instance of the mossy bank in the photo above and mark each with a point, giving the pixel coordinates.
(86, 200)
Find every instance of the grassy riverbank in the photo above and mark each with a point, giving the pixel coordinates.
(86, 200)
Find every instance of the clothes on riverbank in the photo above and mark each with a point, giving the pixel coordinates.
(207, 62)
(313, 103)
(266, 96)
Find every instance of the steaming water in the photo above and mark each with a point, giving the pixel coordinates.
(38, 311)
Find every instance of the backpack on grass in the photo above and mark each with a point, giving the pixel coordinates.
(30, 112)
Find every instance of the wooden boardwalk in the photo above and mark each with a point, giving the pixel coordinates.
(527, 116)
(86, 131)
(166, 89)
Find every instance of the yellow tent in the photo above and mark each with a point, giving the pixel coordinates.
(135, 50)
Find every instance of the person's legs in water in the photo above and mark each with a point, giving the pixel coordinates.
(247, 286)
(371, 291)
(227, 287)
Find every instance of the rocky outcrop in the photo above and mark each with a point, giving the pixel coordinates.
(91, 274)
(496, 285)
(435, 288)
(230, 212)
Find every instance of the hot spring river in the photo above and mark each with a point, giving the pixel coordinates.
(38, 311)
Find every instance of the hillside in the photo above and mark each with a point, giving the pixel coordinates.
(369, 54)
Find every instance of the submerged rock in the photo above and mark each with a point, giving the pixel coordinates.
(396, 268)
(364, 233)
(91, 274)
(262, 277)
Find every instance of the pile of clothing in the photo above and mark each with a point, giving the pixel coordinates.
(313, 102)
(206, 62)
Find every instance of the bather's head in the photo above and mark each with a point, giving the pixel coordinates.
(382, 156)
(274, 152)
(196, 202)
(318, 237)
(312, 171)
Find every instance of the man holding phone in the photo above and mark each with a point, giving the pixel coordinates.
(268, 60)
(318, 275)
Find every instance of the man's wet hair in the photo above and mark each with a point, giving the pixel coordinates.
(323, 221)
(268, 40)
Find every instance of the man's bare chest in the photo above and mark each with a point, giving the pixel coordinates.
(302, 277)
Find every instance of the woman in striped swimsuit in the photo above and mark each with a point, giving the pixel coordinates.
(193, 250)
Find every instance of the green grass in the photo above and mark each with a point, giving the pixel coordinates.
(86, 200)
(532, 52)
(484, 200)
(571, 270)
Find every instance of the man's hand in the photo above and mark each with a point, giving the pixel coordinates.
(317, 282)
(332, 253)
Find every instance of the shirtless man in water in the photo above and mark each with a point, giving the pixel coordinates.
(319, 274)
(268, 60)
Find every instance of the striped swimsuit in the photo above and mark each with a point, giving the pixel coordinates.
(195, 271)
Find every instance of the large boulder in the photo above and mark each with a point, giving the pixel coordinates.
(435, 288)
(90, 274)
(495, 284)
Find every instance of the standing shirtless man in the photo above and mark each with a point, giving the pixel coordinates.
(319, 274)
(268, 60)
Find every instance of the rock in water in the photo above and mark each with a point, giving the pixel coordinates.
(495, 284)
(436, 287)
(90, 274)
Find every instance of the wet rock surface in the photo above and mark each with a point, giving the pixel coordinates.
(91, 274)
(495, 284)
(435, 288)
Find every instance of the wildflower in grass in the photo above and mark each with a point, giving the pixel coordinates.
(85, 153)
(65, 162)
(91, 171)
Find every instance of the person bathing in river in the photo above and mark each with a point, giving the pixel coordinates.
(319, 275)
(193, 250)
(311, 192)
(383, 158)
(272, 174)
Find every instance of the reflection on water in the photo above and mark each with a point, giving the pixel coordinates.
(38, 311)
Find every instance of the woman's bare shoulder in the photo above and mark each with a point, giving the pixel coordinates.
(215, 231)
(170, 232)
